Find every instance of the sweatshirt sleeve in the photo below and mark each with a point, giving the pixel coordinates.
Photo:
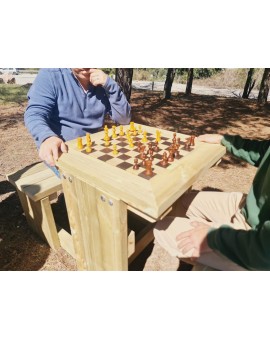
(248, 248)
(120, 110)
(252, 151)
(41, 101)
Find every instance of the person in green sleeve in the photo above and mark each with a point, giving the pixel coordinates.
(227, 231)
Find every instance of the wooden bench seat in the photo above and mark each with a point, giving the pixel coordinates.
(36, 186)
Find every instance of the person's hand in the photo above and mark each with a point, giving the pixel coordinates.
(195, 239)
(51, 149)
(97, 77)
(210, 138)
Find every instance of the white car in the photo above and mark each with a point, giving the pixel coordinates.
(12, 71)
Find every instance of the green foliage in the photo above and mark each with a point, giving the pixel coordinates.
(13, 93)
(159, 74)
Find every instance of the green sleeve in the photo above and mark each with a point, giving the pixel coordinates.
(248, 248)
(249, 150)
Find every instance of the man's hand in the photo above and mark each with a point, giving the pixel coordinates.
(97, 77)
(210, 138)
(195, 238)
(51, 149)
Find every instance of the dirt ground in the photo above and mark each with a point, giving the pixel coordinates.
(21, 249)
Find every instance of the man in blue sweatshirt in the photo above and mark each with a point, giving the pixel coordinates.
(66, 103)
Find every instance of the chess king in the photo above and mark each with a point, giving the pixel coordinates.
(60, 106)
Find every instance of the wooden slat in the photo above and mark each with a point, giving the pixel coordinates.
(43, 188)
(142, 240)
(66, 242)
(25, 172)
(131, 242)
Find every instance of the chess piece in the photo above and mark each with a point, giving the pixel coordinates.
(114, 135)
(115, 152)
(121, 133)
(144, 139)
(136, 165)
(164, 159)
(148, 167)
(79, 143)
(171, 158)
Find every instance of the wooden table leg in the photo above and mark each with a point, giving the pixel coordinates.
(98, 224)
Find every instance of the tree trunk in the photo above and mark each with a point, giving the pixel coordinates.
(264, 89)
(189, 81)
(168, 83)
(123, 76)
(249, 84)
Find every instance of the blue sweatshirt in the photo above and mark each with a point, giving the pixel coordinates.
(58, 106)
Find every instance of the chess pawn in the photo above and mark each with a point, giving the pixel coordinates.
(131, 126)
(171, 158)
(176, 154)
(164, 159)
(136, 165)
(140, 130)
(121, 133)
(143, 159)
(156, 148)
(192, 143)
(106, 137)
(79, 143)
(88, 149)
(115, 152)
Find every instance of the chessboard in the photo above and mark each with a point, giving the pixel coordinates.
(113, 164)
(139, 149)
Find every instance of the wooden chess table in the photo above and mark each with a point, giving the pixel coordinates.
(100, 188)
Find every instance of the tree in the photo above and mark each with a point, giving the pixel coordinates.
(189, 81)
(249, 83)
(123, 76)
(264, 89)
(168, 83)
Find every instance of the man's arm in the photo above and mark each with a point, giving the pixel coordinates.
(41, 102)
(251, 151)
(120, 110)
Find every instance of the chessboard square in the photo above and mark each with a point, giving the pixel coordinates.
(105, 158)
(123, 150)
(122, 144)
(143, 175)
(164, 138)
(167, 143)
(114, 161)
(106, 150)
(163, 166)
(124, 157)
(131, 153)
(150, 139)
(136, 139)
(124, 165)
(158, 156)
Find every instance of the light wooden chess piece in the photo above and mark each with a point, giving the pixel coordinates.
(144, 139)
(121, 133)
(79, 143)
(115, 152)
